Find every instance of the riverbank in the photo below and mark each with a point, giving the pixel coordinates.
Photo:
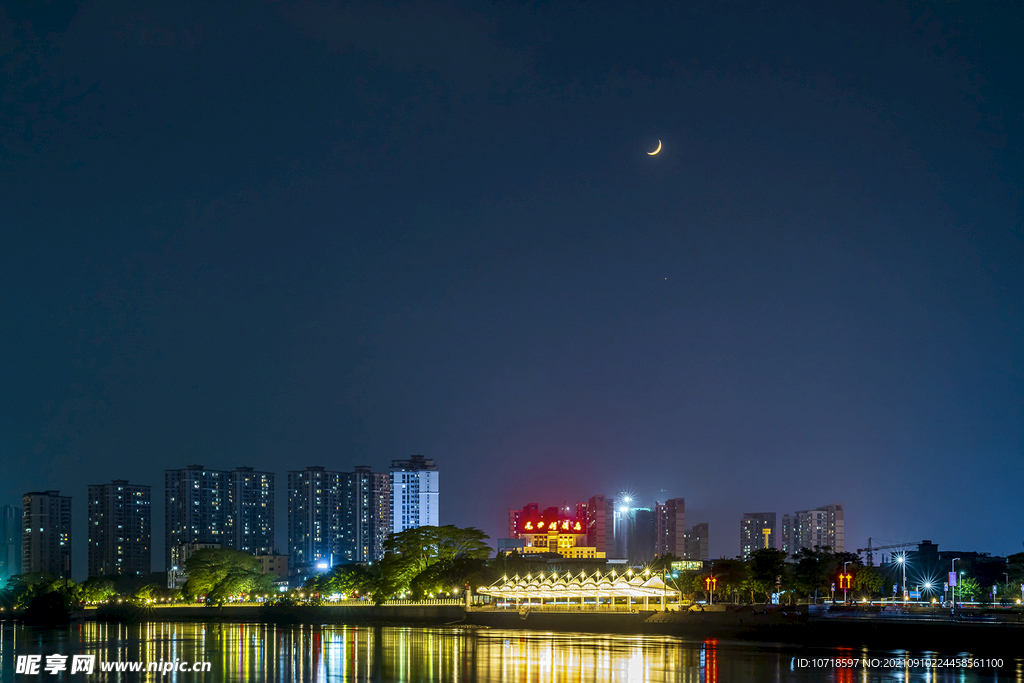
(794, 626)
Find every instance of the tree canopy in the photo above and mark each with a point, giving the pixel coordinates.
(219, 573)
(410, 553)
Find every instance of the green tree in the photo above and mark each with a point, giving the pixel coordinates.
(765, 569)
(967, 589)
(868, 581)
(411, 552)
(812, 570)
(448, 577)
(21, 588)
(346, 579)
(96, 589)
(220, 573)
(731, 575)
(699, 587)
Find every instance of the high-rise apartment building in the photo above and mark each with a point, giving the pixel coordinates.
(196, 508)
(641, 536)
(787, 540)
(600, 516)
(753, 528)
(120, 526)
(251, 511)
(670, 527)
(697, 544)
(821, 527)
(233, 509)
(367, 515)
(414, 493)
(316, 503)
(10, 542)
(46, 534)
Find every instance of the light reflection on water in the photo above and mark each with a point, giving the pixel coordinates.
(261, 652)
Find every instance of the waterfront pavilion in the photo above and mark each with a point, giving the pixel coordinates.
(598, 591)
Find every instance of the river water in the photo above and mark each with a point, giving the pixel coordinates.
(260, 652)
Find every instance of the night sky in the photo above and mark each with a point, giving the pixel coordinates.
(293, 233)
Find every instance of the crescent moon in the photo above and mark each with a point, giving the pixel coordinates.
(655, 151)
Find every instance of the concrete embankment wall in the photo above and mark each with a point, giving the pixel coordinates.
(596, 622)
(426, 614)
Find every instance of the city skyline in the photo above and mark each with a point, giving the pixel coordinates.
(293, 233)
(793, 531)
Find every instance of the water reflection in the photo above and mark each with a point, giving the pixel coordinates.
(242, 652)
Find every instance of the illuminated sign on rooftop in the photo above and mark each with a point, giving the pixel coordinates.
(687, 566)
(542, 526)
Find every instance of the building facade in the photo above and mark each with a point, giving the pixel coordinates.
(46, 534)
(641, 536)
(232, 509)
(274, 564)
(553, 530)
(821, 527)
(120, 529)
(697, 545)
(197, 508)
(414, 493)
(757, 530)
(600, 516)
(316, 498)
(670, 527)
(10, 542)
(251, 511)
(367, 515)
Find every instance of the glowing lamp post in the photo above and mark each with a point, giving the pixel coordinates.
(844, 581)
(953, 582)
(712, 584)
(902, 559)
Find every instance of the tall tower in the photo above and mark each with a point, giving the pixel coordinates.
(46, 538)
(414, 493)
(367, 514)
(670, 527)
(642, 536)
(753, 526)
(697, 543)
(821, 527)
(315, 505)
(197, 508)
(601, 524)
(251, 511)
(10, 542)
(120, 529)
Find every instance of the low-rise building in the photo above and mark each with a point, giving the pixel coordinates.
(274, 564)
(554, 531)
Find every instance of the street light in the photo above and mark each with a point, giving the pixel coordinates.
(902, 559)
(846, 585)
(953, 572)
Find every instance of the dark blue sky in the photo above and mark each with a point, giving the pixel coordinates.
(299, 233)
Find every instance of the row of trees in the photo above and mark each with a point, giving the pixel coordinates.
(446, 560)
(21, 590)
(214, 575)
(417, 563)
(813, 573)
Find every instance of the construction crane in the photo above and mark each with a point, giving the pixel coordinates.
(871, 549)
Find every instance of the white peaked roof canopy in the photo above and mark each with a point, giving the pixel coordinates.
(583, 585)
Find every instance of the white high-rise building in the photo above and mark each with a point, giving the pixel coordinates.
(818, 528)
(414, 493)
